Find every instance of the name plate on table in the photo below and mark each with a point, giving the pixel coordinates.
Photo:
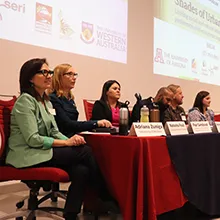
(145, 129)
(216, 127)
(175, 128)
(197, 127)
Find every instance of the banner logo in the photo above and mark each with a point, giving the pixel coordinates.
(43, 22)
(87, 33)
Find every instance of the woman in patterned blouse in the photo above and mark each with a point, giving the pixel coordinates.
(200, 111)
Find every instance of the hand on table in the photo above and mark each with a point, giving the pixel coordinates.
(104, 123)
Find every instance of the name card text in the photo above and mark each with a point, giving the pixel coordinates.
(144, 129)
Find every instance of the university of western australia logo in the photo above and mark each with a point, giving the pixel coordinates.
(87, 33)
(43, 22)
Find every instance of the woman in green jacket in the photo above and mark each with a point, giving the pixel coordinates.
(35, 140)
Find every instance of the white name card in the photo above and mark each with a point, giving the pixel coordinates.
(145, 129)
(197, 127)
(216, 127)
(175, 128)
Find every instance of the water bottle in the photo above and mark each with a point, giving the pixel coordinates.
(155, 114)
(144, 114)
(123, 121)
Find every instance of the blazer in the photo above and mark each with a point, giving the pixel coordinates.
(67, 116)
(101, 110)
(33, 130)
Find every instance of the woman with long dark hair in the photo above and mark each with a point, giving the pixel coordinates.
(35, 140)
(108, 106)
(200, 110)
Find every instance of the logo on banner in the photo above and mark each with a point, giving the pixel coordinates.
(111, 39)
(87, 33)
(204, 68)
(159, 56)
(43, 22)
(194, 65)
(65, 29)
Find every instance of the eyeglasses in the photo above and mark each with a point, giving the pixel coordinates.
(45, 73)
(71, 74)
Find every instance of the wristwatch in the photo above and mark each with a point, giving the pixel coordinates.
(95, 124)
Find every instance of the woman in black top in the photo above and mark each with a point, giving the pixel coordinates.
(64, 80)
(107, 107)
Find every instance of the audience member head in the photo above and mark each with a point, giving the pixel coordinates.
(111, 91)
(64, 80)
(202, 101)
(178, 95)
(35, 78)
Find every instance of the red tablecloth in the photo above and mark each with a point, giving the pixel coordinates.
(139, 174)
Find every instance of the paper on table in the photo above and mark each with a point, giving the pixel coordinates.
(89, 132)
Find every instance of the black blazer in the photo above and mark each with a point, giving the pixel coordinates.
(67, 116)
(101, 110)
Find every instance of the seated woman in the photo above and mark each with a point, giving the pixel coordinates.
(162, 99)
(64, 80)
(200, 111)
(108, 106)
(175, 112)
(35, 140)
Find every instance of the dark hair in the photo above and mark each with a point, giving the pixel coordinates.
(198, 100)
(106, 87)
(27, 72)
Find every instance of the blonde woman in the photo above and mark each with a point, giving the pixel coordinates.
(63, 81)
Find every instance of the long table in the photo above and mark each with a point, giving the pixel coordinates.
(196, 158)
(139, 174)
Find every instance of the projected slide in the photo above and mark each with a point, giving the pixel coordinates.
(94, 28)
(187, 39)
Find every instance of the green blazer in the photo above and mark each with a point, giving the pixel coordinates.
(33, 130)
